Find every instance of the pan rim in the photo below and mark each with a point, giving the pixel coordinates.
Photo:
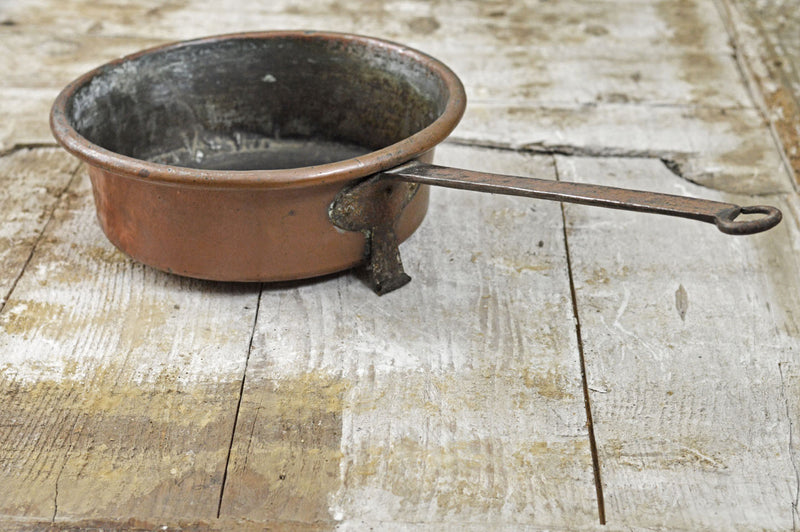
(340, 171)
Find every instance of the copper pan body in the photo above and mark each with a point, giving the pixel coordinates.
(159, 129)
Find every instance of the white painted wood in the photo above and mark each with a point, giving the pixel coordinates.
(608, 27)
(43, 64)
(579, 72)
(31, 182)
(456, 399)
(726, 150)
(119, 383)
(690, 410)
(567, 78)
(25, 113)
(456, 402)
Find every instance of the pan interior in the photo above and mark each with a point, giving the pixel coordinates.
(258, 104)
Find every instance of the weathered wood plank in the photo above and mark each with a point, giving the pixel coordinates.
(605, 26)
(119, 383)
(579, 73)
(768, 50)
(789, 372)
(455, 399)
(651, 77)
(726, 150)
(54, 58)
(556, 53)
(117, 404)
(685, 331)
(31, 181)
(25, 113)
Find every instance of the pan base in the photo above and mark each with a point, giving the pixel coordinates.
(248, 151)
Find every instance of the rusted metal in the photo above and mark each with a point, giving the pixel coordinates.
(723, 215)
(373, 207)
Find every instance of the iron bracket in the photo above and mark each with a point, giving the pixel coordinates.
(373, 207)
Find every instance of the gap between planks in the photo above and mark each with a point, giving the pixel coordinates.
(670, 159)
(31, 253)
(239, 402)
(755, 87)
(27, 146)
(796, 495)
(39, 237)
(598, 482)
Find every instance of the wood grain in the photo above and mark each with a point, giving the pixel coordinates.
(692, 25)
(360, 408)
(25, 113)
(690, 407)
(767, 50)
(724, 150)
(589, 69)
(31, 181)
(56, 57)
(119, 383)
(455, 403)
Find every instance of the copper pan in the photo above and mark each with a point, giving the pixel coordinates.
(286, 155)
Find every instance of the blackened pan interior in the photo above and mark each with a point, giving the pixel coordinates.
(250, 103)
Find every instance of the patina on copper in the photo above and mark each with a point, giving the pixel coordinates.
(249, 157)
(331, 109)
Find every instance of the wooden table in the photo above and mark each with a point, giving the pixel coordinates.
(549, 367)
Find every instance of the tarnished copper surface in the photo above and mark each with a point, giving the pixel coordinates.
(233, 235)
(251, 225)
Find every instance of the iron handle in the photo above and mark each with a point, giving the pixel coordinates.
(723, 215)
(373, 206)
